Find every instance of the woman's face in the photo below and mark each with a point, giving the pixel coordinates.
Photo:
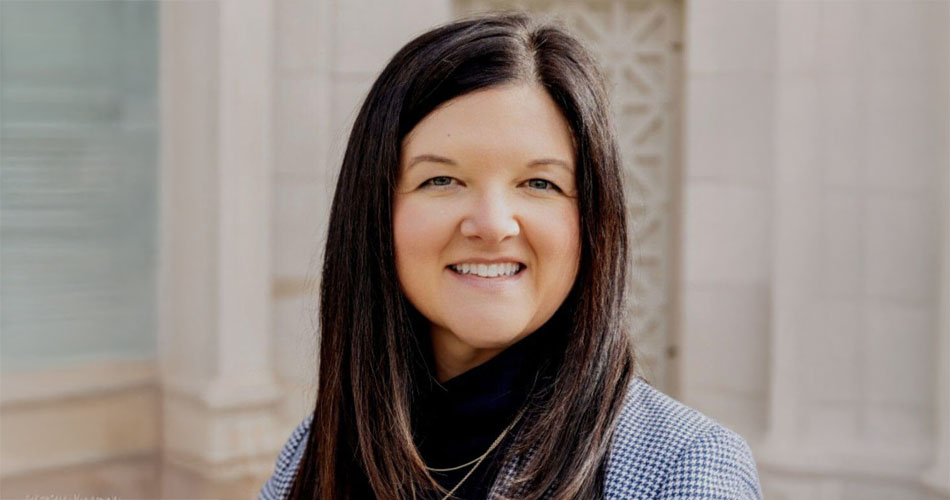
(487, 187)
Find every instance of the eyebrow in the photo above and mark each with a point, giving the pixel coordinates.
(448, 161)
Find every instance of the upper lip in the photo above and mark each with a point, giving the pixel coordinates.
(498, 260)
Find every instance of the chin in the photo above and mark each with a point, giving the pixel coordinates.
(489, 338)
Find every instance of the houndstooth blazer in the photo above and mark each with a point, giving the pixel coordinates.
(661, 450)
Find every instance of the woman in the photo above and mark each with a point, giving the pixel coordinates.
(473, 292)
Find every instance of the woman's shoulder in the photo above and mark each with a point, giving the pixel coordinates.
(288, 461)
(663, 449)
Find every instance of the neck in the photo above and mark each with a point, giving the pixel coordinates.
(452, 357)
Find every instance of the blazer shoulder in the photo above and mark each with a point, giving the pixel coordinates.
(717, 464)
(288, 461)
(659, 442)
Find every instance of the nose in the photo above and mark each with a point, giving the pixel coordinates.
(491, 218)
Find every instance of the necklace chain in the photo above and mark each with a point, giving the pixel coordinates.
(478, 460)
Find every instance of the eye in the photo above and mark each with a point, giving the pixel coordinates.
(446, 181)
(542, 184)
(440, 181)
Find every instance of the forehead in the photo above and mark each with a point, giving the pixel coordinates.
(517, 121)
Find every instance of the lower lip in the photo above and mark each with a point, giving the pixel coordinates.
(496, 283)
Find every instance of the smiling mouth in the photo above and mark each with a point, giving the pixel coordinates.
(499, 272)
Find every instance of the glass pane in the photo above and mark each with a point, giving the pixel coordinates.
(78, 181)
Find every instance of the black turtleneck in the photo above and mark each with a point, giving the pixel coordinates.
(458, 420)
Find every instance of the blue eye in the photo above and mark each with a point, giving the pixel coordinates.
(542, 184)
(440, 181)
(446, 181)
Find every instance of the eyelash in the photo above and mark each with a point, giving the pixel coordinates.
(429, 182)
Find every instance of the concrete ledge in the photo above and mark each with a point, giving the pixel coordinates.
(80, 415)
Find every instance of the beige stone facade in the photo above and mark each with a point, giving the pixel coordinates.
(788, 168)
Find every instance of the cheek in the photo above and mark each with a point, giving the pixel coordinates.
(419, 234)
(556, 239)
(562, 235)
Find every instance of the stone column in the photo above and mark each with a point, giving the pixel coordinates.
(860, 132)
(219, 390)
(937, 477)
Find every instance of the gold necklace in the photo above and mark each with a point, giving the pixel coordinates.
(477, 461)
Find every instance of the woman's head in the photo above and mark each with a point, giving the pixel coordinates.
(515, 105)
(485, 220)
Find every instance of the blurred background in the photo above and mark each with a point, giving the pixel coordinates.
(167, 169)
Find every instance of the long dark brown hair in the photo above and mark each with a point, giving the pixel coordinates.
(371, 356)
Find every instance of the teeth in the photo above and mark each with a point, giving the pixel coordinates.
(488, 271)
